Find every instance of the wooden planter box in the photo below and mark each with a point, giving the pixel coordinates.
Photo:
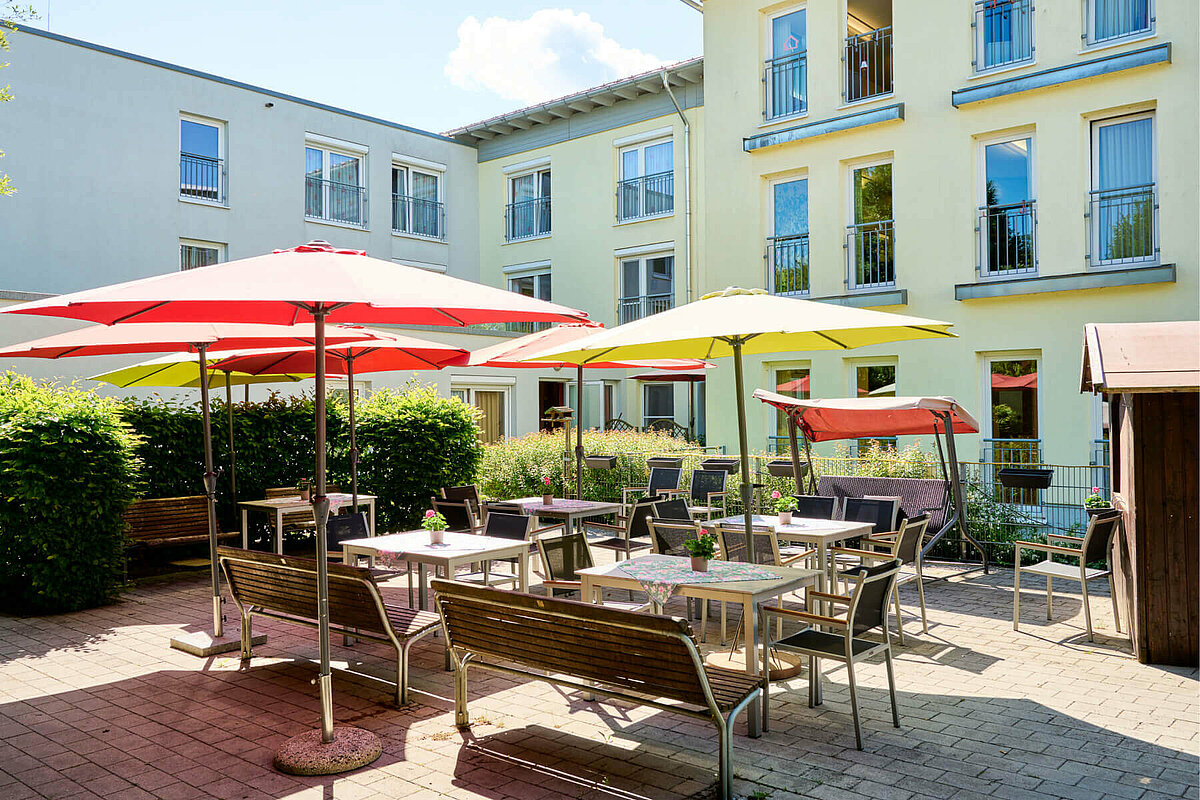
(729, 465)
(1025, 478)
(783, 468)
(663, 461)
(600, 462)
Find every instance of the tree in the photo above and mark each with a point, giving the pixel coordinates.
(9, 13)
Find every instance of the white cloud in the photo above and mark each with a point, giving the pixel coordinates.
(554, 52)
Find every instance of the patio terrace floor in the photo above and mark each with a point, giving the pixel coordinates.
(95, 704)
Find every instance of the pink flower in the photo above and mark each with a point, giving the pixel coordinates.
(1095, 490)
(429, 513)
(775, 495)
(546, 479)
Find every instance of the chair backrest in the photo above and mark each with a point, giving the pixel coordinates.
(706, 482)
(868, 609)
(897, 511)
(563, 556)
(463, 494)
(675, 508)
(662, 478)
(763, 547)
(815, 506)
(639, 514)
(668, 535)
(341, 527)
(1098, 539)
(908, 542)
(508, 526)
(500, 508)
(459, 516)
(879, 513)
(291, 519)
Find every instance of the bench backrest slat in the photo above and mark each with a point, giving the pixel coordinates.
(163, 517)
(644, 653)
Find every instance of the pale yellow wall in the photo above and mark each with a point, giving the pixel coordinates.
(935, 151)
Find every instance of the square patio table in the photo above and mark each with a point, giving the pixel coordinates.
(569, 511)
(750, 594)
(285, 505)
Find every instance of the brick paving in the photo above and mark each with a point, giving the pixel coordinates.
(95, 705)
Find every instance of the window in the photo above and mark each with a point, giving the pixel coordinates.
(787, 248)
(417, 207)
(793, 382)
(658, 406)
(874, 380)
(1123, 208)
(647, 286)
(528, 212)
(492, 403)
(1013, 399)
(868, 51)
(786, 79)
(1003, 33)
(1111, 20)
(535, 284)
(335, 185)
(647, 186)
(599, 403)
(193, 253)
(870, 236)
(1007, 220)
(201, 160)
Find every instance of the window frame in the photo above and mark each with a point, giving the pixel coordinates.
(773, 234)
(769, 50)
(219, 247)
(982, 144)
(435, 171)
(643, 257)
(978, 34)
(1089, 28)
(669, 388)
(1093, 233)
(640, 148)
(987, 359)
(471, 385)
(510, 180)
(222, 200)
(852, 167)
(328, 146)
(777, 442)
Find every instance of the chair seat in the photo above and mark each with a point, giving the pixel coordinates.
(618, 543)
(820, 643)
(1052, 569)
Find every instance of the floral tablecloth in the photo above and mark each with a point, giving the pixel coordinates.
(660, 575)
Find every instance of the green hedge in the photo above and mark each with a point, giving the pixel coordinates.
(67, 474)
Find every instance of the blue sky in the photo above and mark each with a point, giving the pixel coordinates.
(435, 65)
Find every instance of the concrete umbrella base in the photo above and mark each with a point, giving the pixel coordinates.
(783, 665)
(351, 748)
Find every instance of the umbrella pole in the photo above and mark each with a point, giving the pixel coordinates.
(579, 432)
(353, 446)
(743, 442)
(691, 388)
(794, 450)
(210, 489)
(321, 513)
(229, 425)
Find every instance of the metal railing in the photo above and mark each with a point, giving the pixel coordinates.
(868, 65)
(647, 196)
(785, 86)
(334, 201)
(631, 308)
(1003, 33)
(1007, 239)
(526, 327)
(418, 217)
(201, 178)
(1117, 19)
(787, 264)
(1013, 452)
(870, 254)
(1124, 225)
(527, 218)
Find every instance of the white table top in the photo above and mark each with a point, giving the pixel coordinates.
(295, 503)
(803, 529)
(416, 543)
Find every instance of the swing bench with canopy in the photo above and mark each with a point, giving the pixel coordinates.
(869, 417)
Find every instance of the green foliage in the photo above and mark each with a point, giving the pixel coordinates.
(880, 460)
(67, 472)
(703, 547)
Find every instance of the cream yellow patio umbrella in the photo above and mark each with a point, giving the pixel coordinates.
(739, 321)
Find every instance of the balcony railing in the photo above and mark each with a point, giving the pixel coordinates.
(868, 60)
(1008, 239)
(631, 308)
(333, 201)
(871, 260)
(1017, 452)
(785, 82)
(418, 217)
(787, 264)
(647, 196)
(201, 178)
(526, 327)
(1003, 33)
(527, 218)
(1124, 225)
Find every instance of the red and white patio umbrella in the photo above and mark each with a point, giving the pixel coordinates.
(315, 283)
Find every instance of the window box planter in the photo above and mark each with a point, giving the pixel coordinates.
(729, 465)
(600, 462)
(1025, 478)
(664, 461)
(782, 468)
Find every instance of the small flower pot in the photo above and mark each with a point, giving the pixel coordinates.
(1095, 511)
(305, 495)
(547, 499)
(437, 537)
(785, 518)
(699, 564)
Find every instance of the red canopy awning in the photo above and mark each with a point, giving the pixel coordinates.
(861, 417)
(1000, 381)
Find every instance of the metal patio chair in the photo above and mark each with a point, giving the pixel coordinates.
(905, 545)
(562, 558)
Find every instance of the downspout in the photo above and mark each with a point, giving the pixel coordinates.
(687, 186)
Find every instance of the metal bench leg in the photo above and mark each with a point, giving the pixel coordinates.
(725, 758)
(461, 719)
(402, 673)
(247, 636)
(1049, 595)
(1112, 591)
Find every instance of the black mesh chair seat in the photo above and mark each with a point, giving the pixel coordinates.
(823, 644)
(634, 535)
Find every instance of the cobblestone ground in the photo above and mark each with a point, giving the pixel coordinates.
(95, 704)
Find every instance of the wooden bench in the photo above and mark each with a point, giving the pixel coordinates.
(285, 588)
(170, 520)
(646, 659)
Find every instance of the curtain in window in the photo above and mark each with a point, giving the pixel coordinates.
(491, 423)
(1115, 18)
(1124, 203)
(1125, 156)
(425, 208)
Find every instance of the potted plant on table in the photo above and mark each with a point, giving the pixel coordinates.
(785, 504)
(1095, 503)
(701, 550)
(302, 489)
(436, 524)
(547, 495)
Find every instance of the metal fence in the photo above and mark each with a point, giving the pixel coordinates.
(870, 254)
(1008, 239)
(631, 308)
(418, 217)
(785, 86)
(1124, 225)
(787, 264)
(334, 201)
(1003, 33)
(201, 178)
(646, 196)
(527, 218)
(868, 58)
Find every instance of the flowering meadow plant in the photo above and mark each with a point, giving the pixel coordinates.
(1096, 500)
(704, 547)
(783, 502)
(434, 521)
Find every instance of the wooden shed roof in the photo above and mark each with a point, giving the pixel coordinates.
(1141, 357)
